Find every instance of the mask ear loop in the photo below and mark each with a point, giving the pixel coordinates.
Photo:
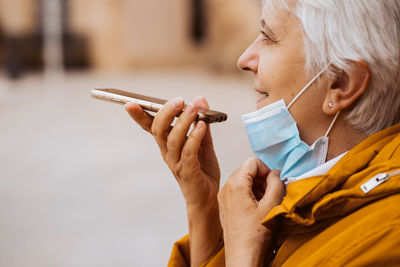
(308, 85)
(332, 123)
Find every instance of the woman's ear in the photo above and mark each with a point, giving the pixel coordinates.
(347, 87)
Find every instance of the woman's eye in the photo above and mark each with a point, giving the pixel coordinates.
(266, 38)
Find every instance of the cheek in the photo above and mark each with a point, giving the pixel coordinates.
(280, 76)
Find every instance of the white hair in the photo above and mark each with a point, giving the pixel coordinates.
(340, 31)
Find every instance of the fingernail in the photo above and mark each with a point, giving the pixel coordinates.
(201, 104)
(128, 105)
(178, 102)
(197, 98)
(190, 108)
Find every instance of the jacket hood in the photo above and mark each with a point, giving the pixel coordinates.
(321, 200)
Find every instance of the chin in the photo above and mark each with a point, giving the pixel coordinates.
(262, 102)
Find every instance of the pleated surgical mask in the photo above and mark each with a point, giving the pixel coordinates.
(275, 139)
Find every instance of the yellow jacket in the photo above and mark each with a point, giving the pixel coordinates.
(329, 220)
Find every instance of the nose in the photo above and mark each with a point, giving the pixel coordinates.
(248, 61)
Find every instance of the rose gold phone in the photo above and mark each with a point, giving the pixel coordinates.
(149, 103)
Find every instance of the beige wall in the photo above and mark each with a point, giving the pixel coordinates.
(17, 17)
(100, 21)
(233, 25)
(157, 32)
(124, 34)
(137, 33)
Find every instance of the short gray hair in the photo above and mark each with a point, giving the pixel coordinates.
(337, 31)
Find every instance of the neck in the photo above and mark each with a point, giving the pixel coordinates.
(342, 138)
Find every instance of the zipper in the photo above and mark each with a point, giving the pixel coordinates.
(377, 180)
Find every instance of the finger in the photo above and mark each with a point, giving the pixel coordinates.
(201, 104)
(144, 119)
(275, 189)
(262, 169)
(250, 174)
(207, 156)
(207, 142)
(178, 135)
(246, 173)
(259, 181)
(162, 122)
(253, 167)
(259, 187)
(192, 145)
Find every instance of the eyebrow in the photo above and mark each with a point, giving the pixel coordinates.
(267, 29)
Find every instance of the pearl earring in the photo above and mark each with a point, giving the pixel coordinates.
(330, 105)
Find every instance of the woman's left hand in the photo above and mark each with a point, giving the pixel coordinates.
(247, 197)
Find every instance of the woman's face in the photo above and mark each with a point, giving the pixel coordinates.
(276, 58)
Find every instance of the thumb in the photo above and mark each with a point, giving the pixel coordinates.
(274, 192)
(250, 170)
(244, 175)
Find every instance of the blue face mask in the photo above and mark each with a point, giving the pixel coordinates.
(275, 139)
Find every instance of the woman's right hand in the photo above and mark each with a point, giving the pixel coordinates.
(194, 164)
(191, 158)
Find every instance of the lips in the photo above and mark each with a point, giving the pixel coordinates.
(261, 92)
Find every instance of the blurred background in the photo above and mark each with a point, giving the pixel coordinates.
(80, 183)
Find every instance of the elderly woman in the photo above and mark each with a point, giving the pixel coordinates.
(324, 69)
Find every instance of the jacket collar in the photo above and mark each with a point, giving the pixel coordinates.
(323, 199)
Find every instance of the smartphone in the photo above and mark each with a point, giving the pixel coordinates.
(150, 103)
